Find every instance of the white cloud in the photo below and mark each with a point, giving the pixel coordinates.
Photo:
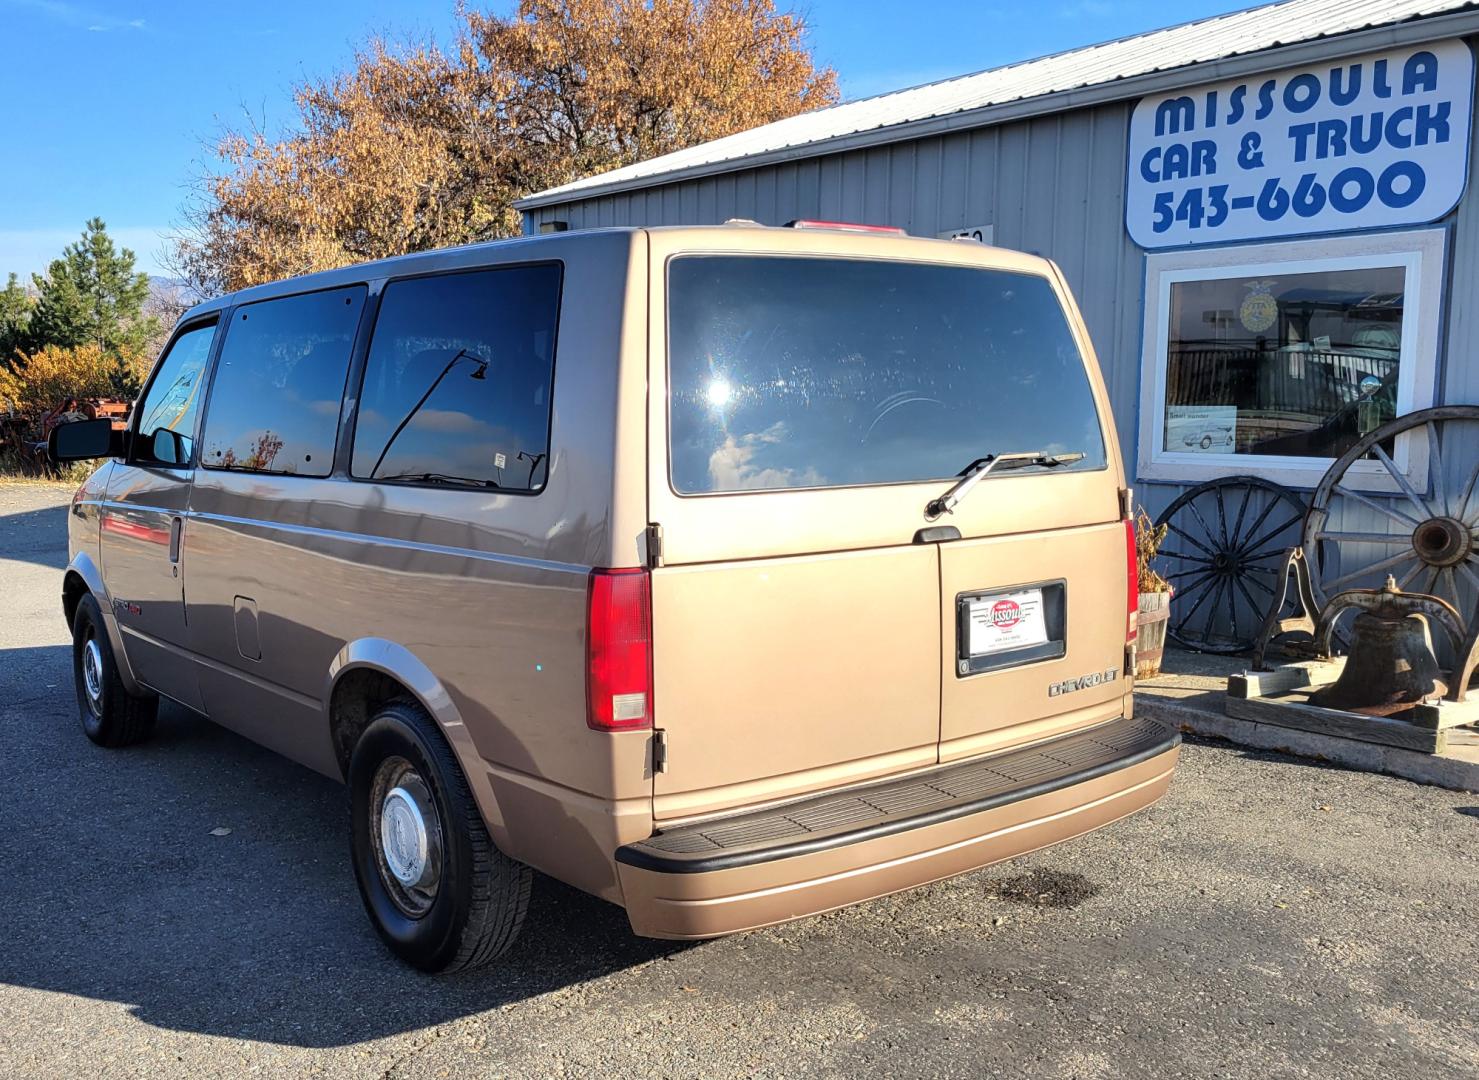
(78, 15)
(451, 421)
(732, 468)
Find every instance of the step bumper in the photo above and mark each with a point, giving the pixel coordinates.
(818, 854)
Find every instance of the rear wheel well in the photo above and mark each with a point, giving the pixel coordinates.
(73, 590)
(357, 697)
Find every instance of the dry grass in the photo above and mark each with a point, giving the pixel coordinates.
(16, 470)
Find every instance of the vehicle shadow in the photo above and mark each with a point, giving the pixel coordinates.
(36, 536)
(119, 889)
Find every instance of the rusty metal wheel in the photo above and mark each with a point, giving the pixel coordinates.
(1221, 555)
(1427, 538)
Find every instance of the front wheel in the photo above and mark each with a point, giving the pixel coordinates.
(438, 891)
(111, 716)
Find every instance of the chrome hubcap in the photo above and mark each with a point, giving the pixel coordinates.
(92, 672)
(408, 836)
(403, 835)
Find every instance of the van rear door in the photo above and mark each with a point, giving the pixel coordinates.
(820, 390)
(1033, 595)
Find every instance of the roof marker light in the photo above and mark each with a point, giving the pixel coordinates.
(846, 226)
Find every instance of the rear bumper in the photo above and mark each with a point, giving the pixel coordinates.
(753, 870)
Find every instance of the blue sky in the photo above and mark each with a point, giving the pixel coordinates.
(109, 104)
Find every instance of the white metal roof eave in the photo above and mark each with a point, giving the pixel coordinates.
(1415, 31)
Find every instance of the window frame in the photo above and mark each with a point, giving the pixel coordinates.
(351, 429)
(131, 456)
(1056, 285)
(227, 316)
(1420, 253)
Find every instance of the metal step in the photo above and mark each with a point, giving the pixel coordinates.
(863, 813)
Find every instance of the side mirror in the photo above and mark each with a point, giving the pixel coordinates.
(83, 439)
(169, 447)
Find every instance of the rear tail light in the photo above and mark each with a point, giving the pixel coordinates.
(619, 650)
(1132, 583)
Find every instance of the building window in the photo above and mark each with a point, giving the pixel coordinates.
(1277, 358)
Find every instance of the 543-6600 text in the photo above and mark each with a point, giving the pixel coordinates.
(1349, 192)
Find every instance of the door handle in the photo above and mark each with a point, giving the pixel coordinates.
(176, 527)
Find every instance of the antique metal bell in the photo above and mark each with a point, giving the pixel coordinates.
(1391, 665)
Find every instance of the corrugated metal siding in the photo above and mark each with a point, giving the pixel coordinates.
(1235, 34)
(1459, 364)
(1460, 373)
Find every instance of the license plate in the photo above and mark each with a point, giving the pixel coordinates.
(1010, 620)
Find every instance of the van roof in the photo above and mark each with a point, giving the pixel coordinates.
(462, 256)
(469, 256)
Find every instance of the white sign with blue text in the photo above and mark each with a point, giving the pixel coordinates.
(1359, 143)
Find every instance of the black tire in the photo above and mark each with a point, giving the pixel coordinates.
(481, 895)
(110, 715)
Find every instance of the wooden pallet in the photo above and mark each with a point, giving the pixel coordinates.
(1281, 697)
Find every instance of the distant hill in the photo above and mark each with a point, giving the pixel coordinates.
(168, 287)
(168, 299)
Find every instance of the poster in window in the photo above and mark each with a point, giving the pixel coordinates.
(1201, 429)
(1259, 310)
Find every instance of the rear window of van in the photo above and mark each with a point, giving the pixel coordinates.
(789, 372)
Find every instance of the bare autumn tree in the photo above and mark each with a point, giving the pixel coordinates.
(590, 85)
(415, 147)
(390, 156)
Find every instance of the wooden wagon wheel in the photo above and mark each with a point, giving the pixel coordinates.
(1223, 544)
(1428, 540)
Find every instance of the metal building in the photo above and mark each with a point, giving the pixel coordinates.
(1264, 217)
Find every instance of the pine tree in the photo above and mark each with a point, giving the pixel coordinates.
(15, 318)
(91, 296)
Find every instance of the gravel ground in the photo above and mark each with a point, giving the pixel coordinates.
(1269, 918)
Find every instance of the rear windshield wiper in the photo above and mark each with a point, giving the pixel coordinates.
(442, 478)
(977, 469)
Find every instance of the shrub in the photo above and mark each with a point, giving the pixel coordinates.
(45, 378)
(1148, 541)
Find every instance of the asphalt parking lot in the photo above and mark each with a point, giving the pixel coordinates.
(1270, 918)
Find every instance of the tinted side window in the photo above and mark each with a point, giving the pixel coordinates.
(457, 384)
(173, 400)
(279, 383)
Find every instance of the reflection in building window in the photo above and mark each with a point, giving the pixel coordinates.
(1296, 364)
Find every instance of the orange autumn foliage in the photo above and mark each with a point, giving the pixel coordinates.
(416, 147)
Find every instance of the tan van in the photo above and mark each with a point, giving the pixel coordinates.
(731, 574)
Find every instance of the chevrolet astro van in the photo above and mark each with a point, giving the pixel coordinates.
(730, 574)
